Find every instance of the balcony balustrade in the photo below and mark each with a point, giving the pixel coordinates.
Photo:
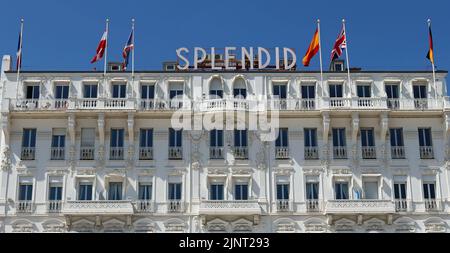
(116, 153)
(431, 205)
(284, 205)
(175, 206)
(216, 153)
(229, 207)
(93, 207)
(340, 152)
(57, 153)
(363, 206)
(401, 205)
(87, 153)
(369, 152)
(145, 206)
(312, 205)
(426, 152)
(175, 153)
(398, 152)
(28, 153)
(24, 206)
(146, 153)
(311, 153)
(240, 153)
(54, 206)
(282, 153)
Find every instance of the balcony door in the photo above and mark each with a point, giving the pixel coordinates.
(280, 91)
(119, 90)
(370, 190)
(341, 190)
(32, 91)
(216, 191)
(241, 191)
(115, 191)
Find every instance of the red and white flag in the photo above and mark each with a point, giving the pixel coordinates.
(101, 48)
(339, 45)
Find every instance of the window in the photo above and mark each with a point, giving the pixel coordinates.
(216, 191)
(241, 191)
(119, 90)
(335, 90)
(312, 191)
(25, 191)
(370, 190)
(308, 91)
(339, 137)
(363, 91)
(58, 138)
(175, 139)
(280, 91)
(55, 191)
(341, 190)
(32, 91)
(310, 137)
(85, 191)
(29, 138)
(174, 191)
(216, 138)
(145, 191)
(367, 138)
(216, 91)
(282, 140)
(392, 91)
(396, 136)
(147, 91)
(175, 93)
(240, 138)
(400, 190)
(429, 192)
(282, 191)
(420, 91)
(62, 91)
(115, 191)
(240, 92)
(425, 137)
(117, 138)
(87, 137)
(90, 91)
(146, 138)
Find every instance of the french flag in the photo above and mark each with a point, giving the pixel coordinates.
(101, 48)
(127, 49)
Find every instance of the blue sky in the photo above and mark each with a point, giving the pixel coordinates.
(63, 35)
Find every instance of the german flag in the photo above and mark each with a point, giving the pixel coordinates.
(313, 49)
(430, 55)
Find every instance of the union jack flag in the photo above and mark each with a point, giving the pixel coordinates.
(339, 45)
(127, 49)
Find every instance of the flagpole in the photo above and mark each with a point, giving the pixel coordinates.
(132, 52)
(320, 55)
(19, 58)
(432, 64)
(106, 48)
(346, 56)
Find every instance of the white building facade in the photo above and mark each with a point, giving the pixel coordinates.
(81, 152)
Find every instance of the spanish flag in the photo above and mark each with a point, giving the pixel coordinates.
(430, 55)
(313, 49)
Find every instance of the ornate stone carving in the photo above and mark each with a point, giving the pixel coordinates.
(6, 159)
(284, 171)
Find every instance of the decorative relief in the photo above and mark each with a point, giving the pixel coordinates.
(313, 171)
(435, 228)
(6, 159)
(22, 227)
(176, 172)
(241, 171)
(54, 227)
(283, 171)
(217, 171)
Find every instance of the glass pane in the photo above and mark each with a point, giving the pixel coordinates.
(403, 191)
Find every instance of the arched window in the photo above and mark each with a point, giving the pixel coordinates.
(240, 88)
(215, 88)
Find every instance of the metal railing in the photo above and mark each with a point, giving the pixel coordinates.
(146, 153)
(57, 153)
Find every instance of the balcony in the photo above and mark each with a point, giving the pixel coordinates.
(360, 206)
(398, 152)
(116, 153)
(28, 153)
(308, 104)
(175, 153)
(240, 153)
(87, 153)
(426, 152)
(401, 205)
(229, 207)
(216, 153)
(340, 152)
(312, 205)
(393, 103)
(24, 206)
(282, 153)
(57, 153)
(311, 153)
(175, 206)
(146, 153)
(102, 104)
(337, 103)
(96, 207)
(369, 152)
(54, 206)
(284, 205)
(431, 205)
(145, 206)
(421, 103)
(39, 104)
